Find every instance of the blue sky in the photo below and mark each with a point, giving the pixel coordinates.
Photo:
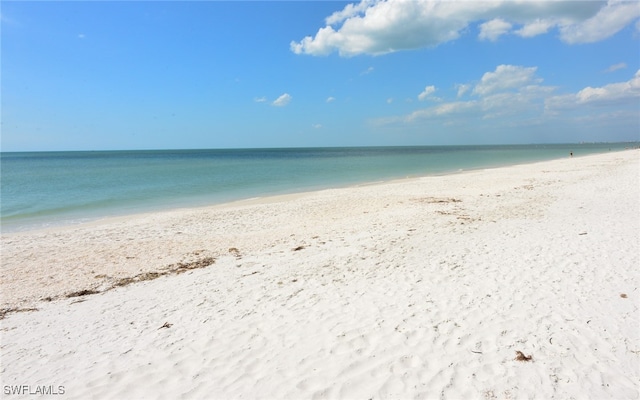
(163, 75)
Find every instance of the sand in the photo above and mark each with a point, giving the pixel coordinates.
(507, 283)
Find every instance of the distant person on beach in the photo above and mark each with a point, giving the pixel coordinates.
(571, 154)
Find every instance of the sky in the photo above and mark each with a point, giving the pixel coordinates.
(211, 74)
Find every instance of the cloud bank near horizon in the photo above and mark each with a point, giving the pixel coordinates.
(512, 91)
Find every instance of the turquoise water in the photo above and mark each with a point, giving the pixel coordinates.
(42, 189)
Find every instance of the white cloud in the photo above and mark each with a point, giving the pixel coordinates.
(536, 27)
(446, 109)
(493, 29)
(505, 77)
(616, 67)
(609, 20)
(513, 96)
(524, 101)
(390, 100)
(349, 11)
(260, 99)
(385, 26)
(462, 89)
(611, 94)
(282, 100)
(367, 71)
(426, 93)
(330, 99)
(382, 27)
(317, 126)
(507, 91)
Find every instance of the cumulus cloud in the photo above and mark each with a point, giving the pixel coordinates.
(349, 11)
(385, 26)
(426, 93)
(493, 29)
(282, 100)
(536, 27)
(506, 77)
(512, 95)
(508, 90)
(608, 21)
(611, 94)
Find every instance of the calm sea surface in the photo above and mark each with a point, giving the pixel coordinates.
(42, 189)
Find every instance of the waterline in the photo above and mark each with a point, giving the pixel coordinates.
(53, 188)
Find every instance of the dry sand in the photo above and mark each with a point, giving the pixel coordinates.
(421, 288)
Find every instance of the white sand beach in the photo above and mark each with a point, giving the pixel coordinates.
(418, 288)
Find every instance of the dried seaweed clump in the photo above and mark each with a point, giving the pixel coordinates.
(84, 292)
(521, 357)
(145, 276)
(149, 276)
(5, 311)
(437, 200)
(235, 252)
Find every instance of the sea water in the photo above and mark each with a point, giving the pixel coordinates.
(41, 189)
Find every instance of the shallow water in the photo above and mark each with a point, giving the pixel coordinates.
(41, 189)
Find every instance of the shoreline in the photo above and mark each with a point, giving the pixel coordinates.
(163, 216)
(60, 221)
(422, 287)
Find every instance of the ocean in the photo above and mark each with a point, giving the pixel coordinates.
(44, 189)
